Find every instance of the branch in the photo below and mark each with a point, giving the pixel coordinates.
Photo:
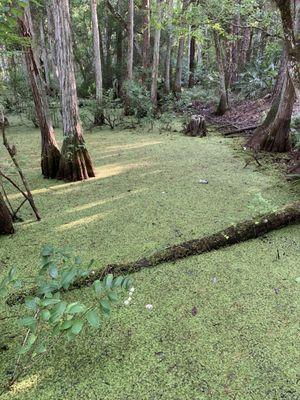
(259, 29)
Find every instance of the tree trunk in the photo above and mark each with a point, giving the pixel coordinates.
(98, 118)
(75, 163)
(129, 74)
(44, 54)
(6, 223)
(223, 104)
(156, 48)
(245, 43)
(192, 61)
(146, 38)
(50, 156)
(167, 77)
(274, 134)
(290, 16)
(180, 53)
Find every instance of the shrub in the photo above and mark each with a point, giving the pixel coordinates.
(47, 317)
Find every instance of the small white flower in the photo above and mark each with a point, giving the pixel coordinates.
(132, 290)
(149, 307)
(129, 298)
(126, 302)
(244, 148)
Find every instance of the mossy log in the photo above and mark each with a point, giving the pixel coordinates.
(234, 234)
(196, 126)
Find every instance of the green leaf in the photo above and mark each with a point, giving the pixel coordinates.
(47, 251)
(75, 308)
(107, 281)
(27, 321)
(49, 302)
(97, 287)
(105, 306)
(77, 326)
(66, 325)
(45, 315)
(12, 273)
(78, 260)
(298, 279)
(67, 278)
(93, 318)
(31, 339)
(57, 311)
(113, 297)
(53, 271)
(30, 303)
(41, 348)
(118, 281)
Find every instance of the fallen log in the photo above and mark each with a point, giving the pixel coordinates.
(234, 234)
(241, 130)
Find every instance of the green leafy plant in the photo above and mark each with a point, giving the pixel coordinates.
(47, 316)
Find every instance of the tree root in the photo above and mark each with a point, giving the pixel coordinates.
(241, 232)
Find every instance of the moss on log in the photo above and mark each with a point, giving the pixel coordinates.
(234, 234)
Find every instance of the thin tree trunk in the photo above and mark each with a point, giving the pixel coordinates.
(129, 76)
(75, 163)
(192, 61)
(98, 118)
(180, 53)
(6, 223)
(156, 48)
(167, 80)
(146, 38)
(223, 104)
(45, 59)
(245, 43)
(50, 156)
(129, 73)
(274, 134)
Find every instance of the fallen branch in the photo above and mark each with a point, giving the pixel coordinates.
(234, 234)
(235, 132)
(12, 152)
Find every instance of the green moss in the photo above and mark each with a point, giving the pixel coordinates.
(242, 341)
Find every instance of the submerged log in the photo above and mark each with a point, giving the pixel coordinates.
(196, 126)
(234, 234)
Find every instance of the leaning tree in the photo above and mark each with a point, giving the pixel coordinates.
(50, 155)
(273, 134)
(75, 162)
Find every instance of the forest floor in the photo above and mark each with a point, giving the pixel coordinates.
(223, 324)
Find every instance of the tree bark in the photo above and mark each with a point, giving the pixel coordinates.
(223, 104)
(180, 53)
(167, 75)
(146, 38)
(274, 134)
(129, 73)
(98, 117)
(6, 223)
(192, 62)
(156, 48)
(75, 163)
(50, 156)
(290, 16)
